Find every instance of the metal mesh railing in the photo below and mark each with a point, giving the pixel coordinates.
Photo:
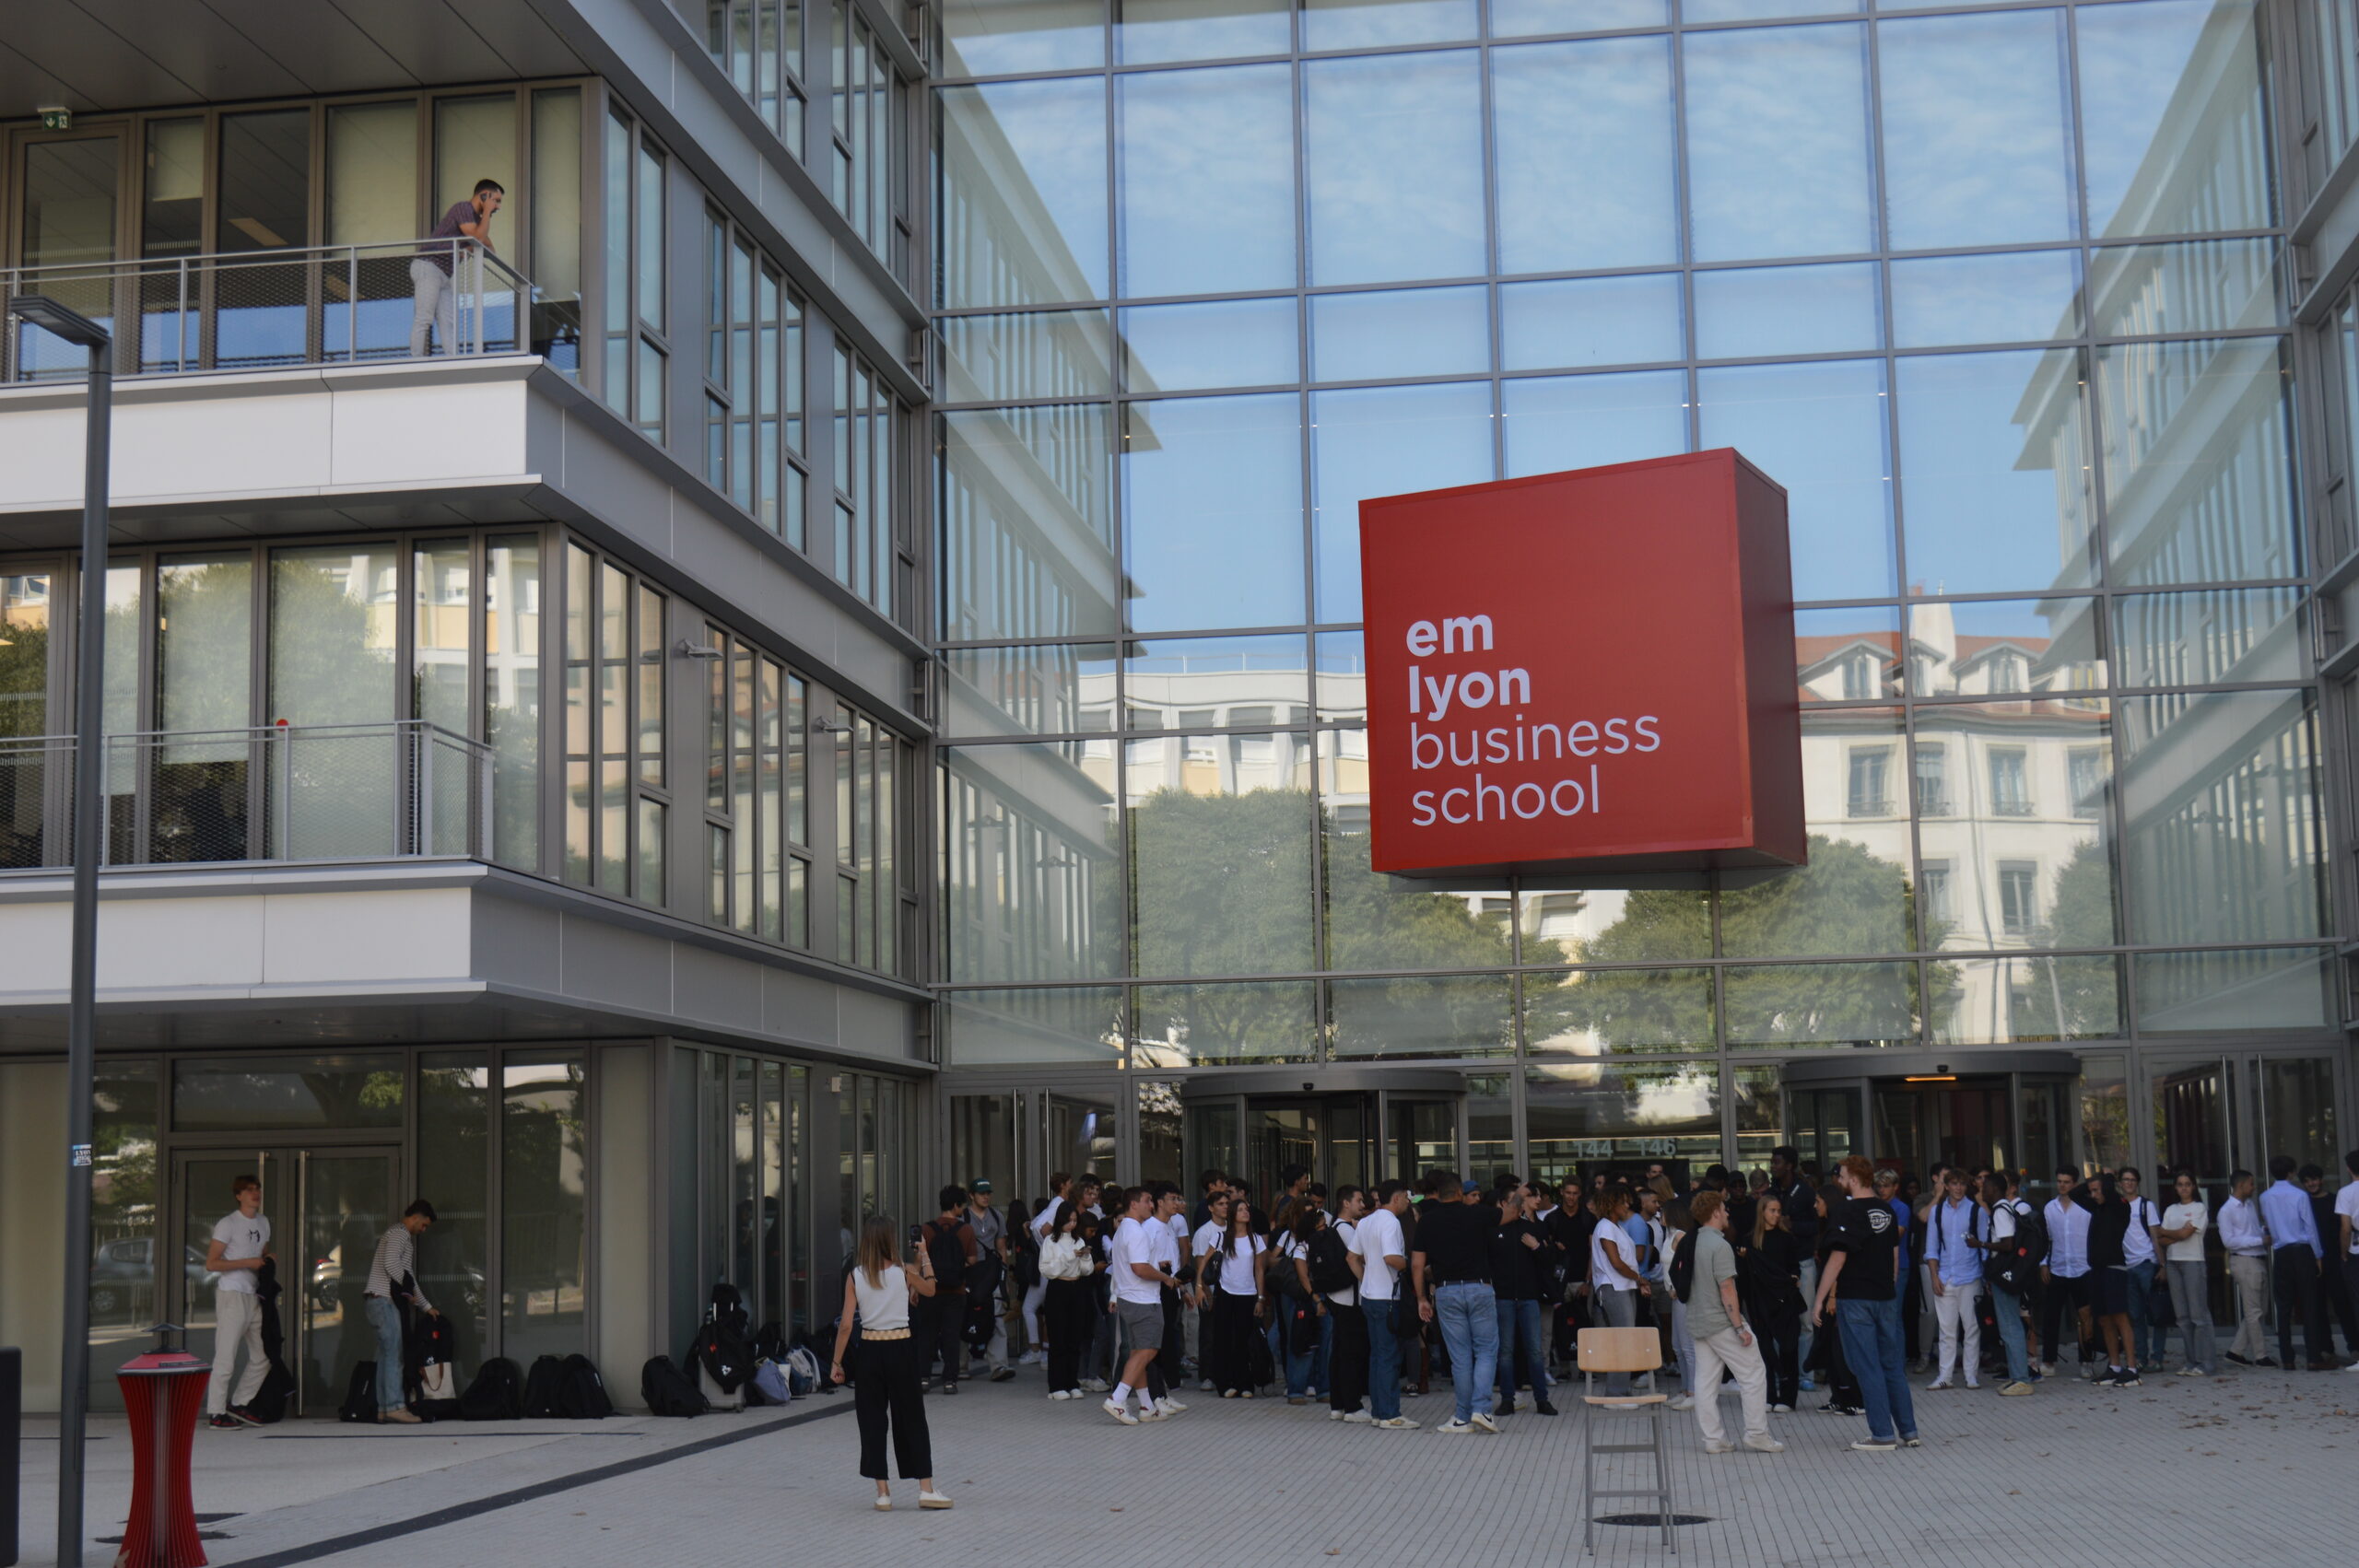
(278, 792)
(261, 309)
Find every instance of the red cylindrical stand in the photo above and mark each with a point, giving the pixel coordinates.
(163, 1392)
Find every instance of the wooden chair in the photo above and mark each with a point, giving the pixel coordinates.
(1621, 1350)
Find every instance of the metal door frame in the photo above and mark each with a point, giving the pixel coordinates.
(271, 1157)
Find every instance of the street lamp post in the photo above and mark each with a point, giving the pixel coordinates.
(81, 1028)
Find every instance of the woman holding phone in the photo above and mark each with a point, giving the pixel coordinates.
(888, 1392)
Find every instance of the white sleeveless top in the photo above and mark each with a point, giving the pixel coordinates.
(885, 1305)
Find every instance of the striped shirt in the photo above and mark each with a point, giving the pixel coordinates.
(396, 1255)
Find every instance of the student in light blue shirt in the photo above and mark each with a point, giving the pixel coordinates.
(2297, 1259)
(1952, 1227)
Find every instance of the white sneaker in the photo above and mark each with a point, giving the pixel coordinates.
(1094, 1385)
(1358, 1418)
(1454, 1427)
(1683, 1402)
(1482, 1423)
(1781, 1409)
(1719, 1447)
(1169, 1406)
(1033, 1358)
(1937, 1385)
(1119, 1412)
(1764, 1444)
(1148, 1412)
(1970, 1383)
(1059, 1394)
(932, 1500)
(1334, 1415)
(1398, 1423)
(1205, 1386)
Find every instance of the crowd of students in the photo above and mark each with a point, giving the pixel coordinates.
(1777, 1281)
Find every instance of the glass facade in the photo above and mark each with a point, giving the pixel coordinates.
(2000, 295)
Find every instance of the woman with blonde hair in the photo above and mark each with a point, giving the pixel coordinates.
(890, 1390)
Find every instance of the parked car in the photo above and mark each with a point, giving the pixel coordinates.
(122, 1273)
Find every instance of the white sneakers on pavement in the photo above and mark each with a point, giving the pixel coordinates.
(1482, 1423)
(1454, 1427)
(1764, 1444)
(1397, 1423)
(1119, 1412)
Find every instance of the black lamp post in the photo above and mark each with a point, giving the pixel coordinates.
(81, 1029)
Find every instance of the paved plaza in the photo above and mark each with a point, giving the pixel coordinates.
(2254, 1467)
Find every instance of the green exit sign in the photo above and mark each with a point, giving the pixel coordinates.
(56, 119)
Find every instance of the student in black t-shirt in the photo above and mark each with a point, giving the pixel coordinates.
(1858, 1284)
(1450, 1256)
(1518, 1268)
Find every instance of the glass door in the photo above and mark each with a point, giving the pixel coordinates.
(348, 1200)
(1420, 1134)
(1824, 1127)
(69, 208)
(326, 1209)
(2293, 1104)
(201, 1184)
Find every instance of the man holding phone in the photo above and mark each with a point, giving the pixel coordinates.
(434, 284)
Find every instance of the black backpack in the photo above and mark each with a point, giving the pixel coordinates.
(668, 1391)
(1682, 1265)
(496, 1393)
(2017, 1259)
(722, 1355)
(582, 1393)
(770, 1341)
(728, 1309)
(1331, 1262)
(360, 1395)
(947, 1254)
(544, 1389)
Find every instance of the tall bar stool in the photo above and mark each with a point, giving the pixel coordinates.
(1621, 1350)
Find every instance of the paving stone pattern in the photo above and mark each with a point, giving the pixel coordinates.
(2251, 1468)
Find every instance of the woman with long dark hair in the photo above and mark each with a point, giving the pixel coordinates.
(1772, 1283)
(1238, 1263)
(888, 1393)
(1067, 1264)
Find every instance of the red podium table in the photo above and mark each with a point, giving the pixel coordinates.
(163, 1392)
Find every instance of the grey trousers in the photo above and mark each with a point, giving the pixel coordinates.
(2191, 1303)
(1621, 1311)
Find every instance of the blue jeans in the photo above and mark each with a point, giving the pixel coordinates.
(2008, 1308)
(2147, 1337)
(1521, 1348)
(386, 1319)
(1879, 1359)
(1468, 1315)
(1384, 1360)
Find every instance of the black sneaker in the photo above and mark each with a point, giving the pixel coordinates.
(244, 1416)
(222, 1424)
(1004, 1374)
(949, 1387)
(2269, 1362)
(2127, 1378)
(1543, 1406)
(2240, 1360)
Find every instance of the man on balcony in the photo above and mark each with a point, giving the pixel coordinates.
(433, 281)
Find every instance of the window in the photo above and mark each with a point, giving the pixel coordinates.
(616, 795)
(753, 382)
(873, 909)
(2010, 781)
(637, 352)
(1870, 793)
(2006, 673)
(1859, 676)
(759, 44)
(2085, 778)
(871, 559)
(758, 832)
(869, 184)
(2018, 896)
(1933, 895)
(1932, 778)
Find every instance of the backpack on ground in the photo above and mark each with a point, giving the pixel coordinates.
(728, 1310)
(667, 1390)
(582, 1393)
(801, 1371)
(360, 1395)
(496, 1393)
(544, 1389)
(1330, 1266)
(721, 1356)
(770, 1341)
(1682, 1265)
(769, 1386)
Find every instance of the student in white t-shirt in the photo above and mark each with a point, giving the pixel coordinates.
(2344, 1244)
(240, 1246)
(2181, 1233)
(1382, 1249)
(1207, 1237)
(1234, 1262)
(1614, 1275)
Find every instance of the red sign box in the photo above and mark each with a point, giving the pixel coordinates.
(1583, 672)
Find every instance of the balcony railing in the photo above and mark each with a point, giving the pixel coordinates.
(281, 792)
(264, 309)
